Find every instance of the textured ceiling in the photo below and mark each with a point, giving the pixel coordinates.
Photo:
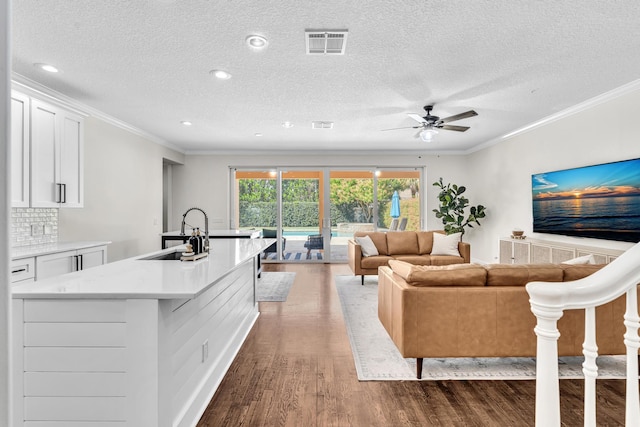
(147, 63)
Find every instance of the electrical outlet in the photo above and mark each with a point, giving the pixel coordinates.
(47, 229)
(36, 229)
(205, 351)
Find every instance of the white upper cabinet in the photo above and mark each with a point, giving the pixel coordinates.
(19, 150)
(56, 156)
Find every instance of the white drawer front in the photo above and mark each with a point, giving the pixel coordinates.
(23, 269)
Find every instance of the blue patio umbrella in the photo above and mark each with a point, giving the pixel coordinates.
(395, 205)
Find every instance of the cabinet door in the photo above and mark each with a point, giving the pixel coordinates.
(92, 257)
(19, 150)
(55, 264)
(71, 161)
(44, 191)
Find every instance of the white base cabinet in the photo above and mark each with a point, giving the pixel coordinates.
(69, 261)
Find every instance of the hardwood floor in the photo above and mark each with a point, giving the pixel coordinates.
(296, 369)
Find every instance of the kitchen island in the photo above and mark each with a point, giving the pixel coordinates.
(139, 342)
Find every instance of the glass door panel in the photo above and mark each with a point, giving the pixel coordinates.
(398, 199)
(256, 206)
(302, 214)
(352, 208)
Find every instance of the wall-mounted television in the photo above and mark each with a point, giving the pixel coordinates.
(600, 201)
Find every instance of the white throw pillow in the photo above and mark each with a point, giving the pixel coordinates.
(445, 245)
(586, 259)
(367, 246)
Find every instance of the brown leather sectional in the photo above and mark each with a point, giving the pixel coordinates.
(483, 311)
(410, 246)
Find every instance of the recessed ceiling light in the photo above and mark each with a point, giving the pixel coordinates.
(47, 67)
(257, 42)
(221, 74)
(287, 125)
(186, 123)
(257, 134)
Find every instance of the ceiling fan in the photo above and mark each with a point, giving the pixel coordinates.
(429, 124)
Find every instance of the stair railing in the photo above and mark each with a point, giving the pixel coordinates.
(548, 302)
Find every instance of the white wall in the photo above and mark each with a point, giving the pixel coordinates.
(203, 181)
(501, 174)
(122, 192)
(5, 203)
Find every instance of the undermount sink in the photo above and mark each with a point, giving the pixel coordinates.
(167, 256)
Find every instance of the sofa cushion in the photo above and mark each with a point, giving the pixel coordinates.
(373, 262)
(446, 259)
(425, 242)
(445, 245)
(520, 275)
(444, 275)
(379, 239)
(402, 242)
(414, 259)
(367, 246)
(575, 272)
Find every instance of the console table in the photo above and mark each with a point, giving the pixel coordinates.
(538, 251)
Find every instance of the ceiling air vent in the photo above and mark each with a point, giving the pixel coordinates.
(326, 42)
(321, 125)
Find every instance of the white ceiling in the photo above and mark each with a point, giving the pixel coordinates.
(147, 63)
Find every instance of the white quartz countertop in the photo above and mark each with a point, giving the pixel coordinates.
(52, 248)
(149, 279)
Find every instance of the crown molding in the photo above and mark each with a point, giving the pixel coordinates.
(30, 87)
(590, 103)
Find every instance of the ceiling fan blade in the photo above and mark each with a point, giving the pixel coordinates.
(454, 127)
(417, 117)
(460, 116)
(417, 135)
(406, 127)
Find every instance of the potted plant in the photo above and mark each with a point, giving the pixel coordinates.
(452, 209)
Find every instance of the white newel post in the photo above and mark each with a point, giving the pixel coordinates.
(589, 366)
(548, 386)
(632, 342)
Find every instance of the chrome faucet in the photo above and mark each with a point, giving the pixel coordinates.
(206, 226)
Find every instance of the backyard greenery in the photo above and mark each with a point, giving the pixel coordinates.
(351, 201)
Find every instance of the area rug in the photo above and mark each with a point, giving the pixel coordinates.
(377, 358)
(295, 256)
(274, 285)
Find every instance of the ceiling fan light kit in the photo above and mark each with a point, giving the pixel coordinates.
(427, 134)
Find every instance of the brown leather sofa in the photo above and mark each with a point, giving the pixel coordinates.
(410, 246)
(472, 310)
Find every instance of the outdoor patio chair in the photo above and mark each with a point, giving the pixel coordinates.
(314, 241)
(272, 234)
(394, 224)
(403, 224)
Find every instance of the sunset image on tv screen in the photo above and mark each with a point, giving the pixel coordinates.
(600, 201)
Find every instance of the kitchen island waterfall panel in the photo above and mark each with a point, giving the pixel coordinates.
(130, 361)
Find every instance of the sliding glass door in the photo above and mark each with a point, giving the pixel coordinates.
(312, 213)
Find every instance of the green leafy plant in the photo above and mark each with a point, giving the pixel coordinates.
(452, 209)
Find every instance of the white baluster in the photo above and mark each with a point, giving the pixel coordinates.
(589, 367)
(631, 340)
(547, 385)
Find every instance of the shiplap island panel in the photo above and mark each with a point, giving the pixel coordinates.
(136, 342)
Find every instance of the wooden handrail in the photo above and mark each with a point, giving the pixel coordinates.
(548, 302)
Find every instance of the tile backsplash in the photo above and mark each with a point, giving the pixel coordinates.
(33, 226)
